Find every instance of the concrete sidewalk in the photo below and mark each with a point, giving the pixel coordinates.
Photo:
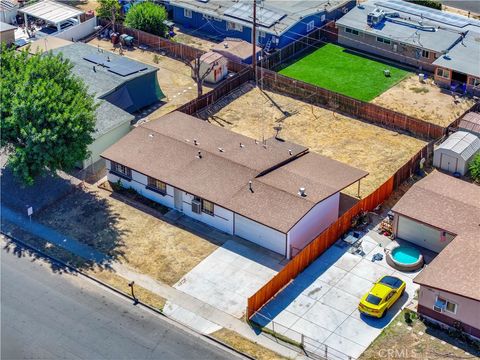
(205, 317)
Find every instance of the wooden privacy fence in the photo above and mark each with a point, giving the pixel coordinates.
(344, 104)
(327, 238)
(214, 95)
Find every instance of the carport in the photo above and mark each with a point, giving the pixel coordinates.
(51, 12)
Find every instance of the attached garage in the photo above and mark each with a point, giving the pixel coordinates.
(422, 235)
(260, 234)
(455, 153)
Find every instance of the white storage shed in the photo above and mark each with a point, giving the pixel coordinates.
(454, 154)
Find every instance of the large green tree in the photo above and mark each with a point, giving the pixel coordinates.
(110, 10)
(148, 17)
(47, 115)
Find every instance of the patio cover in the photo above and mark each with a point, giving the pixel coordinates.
(51, 11)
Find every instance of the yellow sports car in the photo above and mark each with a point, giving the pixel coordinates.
(382, 296)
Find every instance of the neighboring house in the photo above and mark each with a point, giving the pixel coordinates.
(470, 122)
(237, 50)
(8, 11)
(443, 214)
(7, 33)
(215, 64)
(456, 152)
(444, 43)
(121, 86)
(276, 194)
(279, 22)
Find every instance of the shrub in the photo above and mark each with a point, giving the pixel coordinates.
(148, 17)
(474, 168)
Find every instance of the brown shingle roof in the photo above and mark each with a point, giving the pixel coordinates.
(167, 149)
(470, 122)
(236, 48)
(452, 205)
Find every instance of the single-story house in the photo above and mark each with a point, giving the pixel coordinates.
(279, 22)
(120, 85)
(432, 40)
(444, 213)
(470, 122)
(237, 50)
(456, 152)
(274, 193)
(215, 64)
(7, 33)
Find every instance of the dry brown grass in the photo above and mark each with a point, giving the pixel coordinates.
(417, 342)
(246, 346)
(141, 241)
(424, 101)
(379, 151)
(121, 284)
(173, 76)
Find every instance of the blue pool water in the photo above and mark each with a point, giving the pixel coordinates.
(406, 254)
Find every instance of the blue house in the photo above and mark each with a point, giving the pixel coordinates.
(279, 22)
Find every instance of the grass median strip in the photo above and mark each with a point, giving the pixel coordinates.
(246, 346)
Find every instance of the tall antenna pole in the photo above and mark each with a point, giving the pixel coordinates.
(254, 42)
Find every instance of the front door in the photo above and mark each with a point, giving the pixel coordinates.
(177, 199)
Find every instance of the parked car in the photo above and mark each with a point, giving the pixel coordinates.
(381, 297)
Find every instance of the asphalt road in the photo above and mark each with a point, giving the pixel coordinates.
(47, 315)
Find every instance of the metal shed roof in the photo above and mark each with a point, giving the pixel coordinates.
(462, 143)
(51, 11)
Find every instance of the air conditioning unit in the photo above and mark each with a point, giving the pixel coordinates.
(438, 308)
(196, 206)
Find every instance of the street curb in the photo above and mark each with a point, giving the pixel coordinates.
(121, 293)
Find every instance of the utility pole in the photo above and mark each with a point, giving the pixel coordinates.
(254, 42)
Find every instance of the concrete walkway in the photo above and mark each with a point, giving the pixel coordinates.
(176, 299)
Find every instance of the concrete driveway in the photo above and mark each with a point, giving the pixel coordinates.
(321, 303)
(232, 273)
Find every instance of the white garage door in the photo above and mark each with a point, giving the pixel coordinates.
(260, 234)
(420, 234)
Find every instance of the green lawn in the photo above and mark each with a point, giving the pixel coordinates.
(333, 67)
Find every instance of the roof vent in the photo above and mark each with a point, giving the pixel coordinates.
(195, 142)
(290, 152)
(301, 192)
(150, 135)
(108, 58)
(241, 145)
(225, 45)
(250, 186)
(221, 149)
(199, 155)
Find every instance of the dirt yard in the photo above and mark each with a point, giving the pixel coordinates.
(379, 151)
(140, 241)
(418, 341)
(424, 101)
(193, 38)
(174, 77)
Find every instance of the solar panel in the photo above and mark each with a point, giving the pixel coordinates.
(432, 14)
(126, 69)
(98, 59)
(243, 11)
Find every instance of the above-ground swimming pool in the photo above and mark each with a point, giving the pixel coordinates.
(405, 258)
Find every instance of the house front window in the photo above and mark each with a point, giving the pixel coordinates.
(262, 34)
(207, 206)
(310, 26)
(157, 185)
(474, 81)
(121, 170)
(351, 31)
(234, 26)
(383, 40)
(187, 13)
(425, 54)
(442, 304)
(443, 73)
